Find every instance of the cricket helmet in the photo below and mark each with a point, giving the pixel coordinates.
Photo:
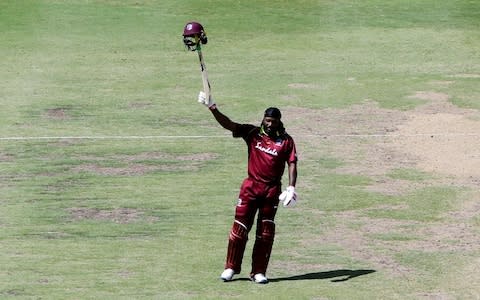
(193, 34)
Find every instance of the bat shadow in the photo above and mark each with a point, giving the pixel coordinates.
(335, 276)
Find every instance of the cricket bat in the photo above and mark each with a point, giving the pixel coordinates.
(206, 83)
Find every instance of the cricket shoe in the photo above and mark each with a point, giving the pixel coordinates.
(259, 278)
(227, 275)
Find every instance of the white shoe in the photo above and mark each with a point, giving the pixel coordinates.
(227, 275)
(260, 278)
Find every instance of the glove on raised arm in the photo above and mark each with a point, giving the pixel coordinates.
(202, 98)
(288, 197)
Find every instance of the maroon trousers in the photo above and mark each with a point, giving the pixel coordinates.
(254, 197)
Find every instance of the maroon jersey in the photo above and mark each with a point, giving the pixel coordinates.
(266, 155)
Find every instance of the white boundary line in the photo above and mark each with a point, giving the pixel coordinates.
(109, 137)
(152, 137)
(397, 135)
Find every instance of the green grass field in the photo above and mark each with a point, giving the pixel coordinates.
(137, 199)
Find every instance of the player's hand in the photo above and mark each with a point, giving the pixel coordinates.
(202, 98)
(288, 197)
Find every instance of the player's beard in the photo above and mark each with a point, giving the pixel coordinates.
(271, 132)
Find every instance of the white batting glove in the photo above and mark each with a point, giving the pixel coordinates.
(288, 197)
(202, 98)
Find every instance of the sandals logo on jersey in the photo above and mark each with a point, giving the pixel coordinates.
(266, 149)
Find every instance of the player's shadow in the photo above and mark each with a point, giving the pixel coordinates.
(335, 276)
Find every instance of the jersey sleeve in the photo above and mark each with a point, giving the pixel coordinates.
(243, 131)
(292, 153)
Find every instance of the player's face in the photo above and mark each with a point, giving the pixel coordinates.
(270, 125)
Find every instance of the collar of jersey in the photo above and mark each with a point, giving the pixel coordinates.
(262, 132)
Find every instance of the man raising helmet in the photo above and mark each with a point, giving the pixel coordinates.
(270, 148)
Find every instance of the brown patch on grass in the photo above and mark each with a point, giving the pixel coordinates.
(59, 113)
(394, 187)
(205, 156)
(443, 138)
(125, 274)
(140, 105)
(360, 119)
(130, 170)
(431, 96)
(358, 243)
(435, 296)
(437, 137)
(455, 234)
(134, 166)
(303, 86)
(378, 240)
(118, 215)
(357, 136)
(6, 157)
(438, 103)
(442, 82)
(466, 75)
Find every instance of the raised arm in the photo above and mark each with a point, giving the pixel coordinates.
(223, 120)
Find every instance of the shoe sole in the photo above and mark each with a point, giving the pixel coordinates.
(259, 282)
